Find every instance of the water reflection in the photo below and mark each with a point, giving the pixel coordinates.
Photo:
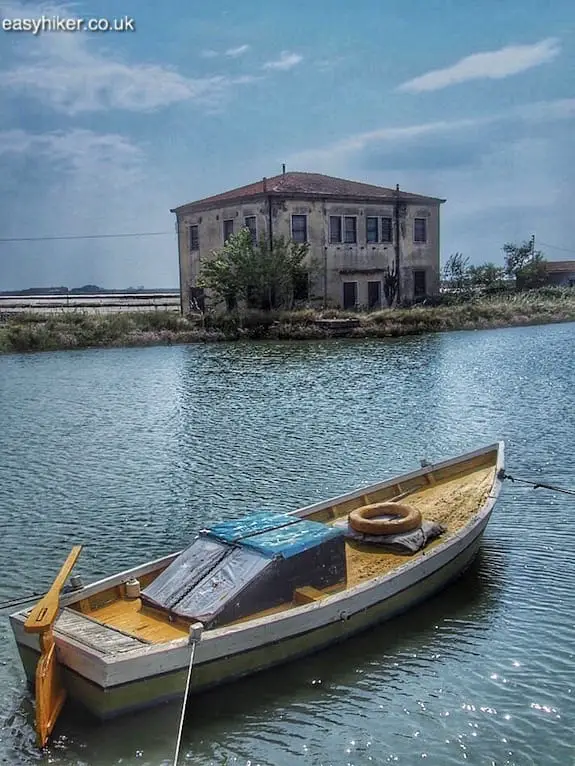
(373, 663)
(132, 451)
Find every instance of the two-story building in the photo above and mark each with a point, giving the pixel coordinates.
(357, 234)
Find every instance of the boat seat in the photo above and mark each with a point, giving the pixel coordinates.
(103, 638)
(307, 594)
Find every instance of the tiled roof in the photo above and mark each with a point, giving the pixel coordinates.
(559, 266)
(306, 185)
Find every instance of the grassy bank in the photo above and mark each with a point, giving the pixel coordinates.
(33, 332)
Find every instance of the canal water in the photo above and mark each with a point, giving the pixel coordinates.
(131, 451)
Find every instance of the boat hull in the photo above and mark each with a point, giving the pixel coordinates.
(137, 686)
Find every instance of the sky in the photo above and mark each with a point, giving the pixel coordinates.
(102, 132)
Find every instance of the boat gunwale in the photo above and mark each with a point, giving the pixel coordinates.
(285, 617)
(497, 447)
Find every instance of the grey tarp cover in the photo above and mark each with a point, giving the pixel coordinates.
(185, 572)
(407, 542)
(223, 585)
(242, 566)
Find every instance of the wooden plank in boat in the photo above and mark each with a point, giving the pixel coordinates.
(307, 594)
(95, 635)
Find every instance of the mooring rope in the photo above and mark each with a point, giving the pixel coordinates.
(195, 634)
(15, 602)
(22, 600)
(536, 484)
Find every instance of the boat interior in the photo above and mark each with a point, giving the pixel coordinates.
(266, 563)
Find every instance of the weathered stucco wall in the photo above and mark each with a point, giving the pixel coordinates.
(211, 237)
(334, 263)
(562, 278)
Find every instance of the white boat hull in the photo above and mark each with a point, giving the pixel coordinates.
(145, 678)
(110, 679)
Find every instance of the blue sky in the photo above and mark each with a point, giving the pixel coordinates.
(102, 133)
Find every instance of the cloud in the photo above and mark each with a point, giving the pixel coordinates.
(67, 73)
(328, 64)
(286, 61)
(231, 52)
(503, 174)
(239, 51)
(546, 111)
(75, 150)
(358, 142)
(493, 65)
(79, 182)
(448, 150)
(398, 143)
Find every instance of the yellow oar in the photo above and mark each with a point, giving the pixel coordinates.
(42, 616)
(50, 693)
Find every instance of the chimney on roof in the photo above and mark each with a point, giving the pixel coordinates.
(284, 169)
(264, 184)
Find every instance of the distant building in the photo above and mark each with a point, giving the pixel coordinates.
(356, 232)
(560, 273)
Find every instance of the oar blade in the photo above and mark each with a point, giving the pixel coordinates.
(50, 693)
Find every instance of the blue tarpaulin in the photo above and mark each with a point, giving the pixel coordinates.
(233, 530)
(290, 540)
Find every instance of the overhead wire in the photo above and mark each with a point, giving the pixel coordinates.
(87, 236)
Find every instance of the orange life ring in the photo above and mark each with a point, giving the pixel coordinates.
(406, 518)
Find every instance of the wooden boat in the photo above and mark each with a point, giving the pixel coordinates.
(267, 589)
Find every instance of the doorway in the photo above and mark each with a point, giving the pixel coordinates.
(349, 295)
(374, 295)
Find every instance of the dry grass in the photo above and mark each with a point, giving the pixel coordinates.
(77, 330)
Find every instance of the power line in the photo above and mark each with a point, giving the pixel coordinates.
(87, 236)
(556, 247)
(158, 234)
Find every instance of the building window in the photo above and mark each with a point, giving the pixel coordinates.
(334, 228)
(250, 223)
(299, 228)
(419, 284)
(386, 230)
(349, 295)
(372, 229)
(194, 238)
(420, 230)
(376, 234)
(228, 229)
(350, 229)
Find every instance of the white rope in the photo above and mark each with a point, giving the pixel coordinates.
(195, 632)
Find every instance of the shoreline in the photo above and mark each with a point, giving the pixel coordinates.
(75, 330)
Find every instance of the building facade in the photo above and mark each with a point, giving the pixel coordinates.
(560, 273)
(357, 234)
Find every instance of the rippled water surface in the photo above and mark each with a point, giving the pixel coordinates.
(132, 451)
